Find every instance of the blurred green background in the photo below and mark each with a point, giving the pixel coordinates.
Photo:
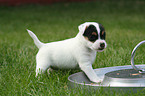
(124, 21)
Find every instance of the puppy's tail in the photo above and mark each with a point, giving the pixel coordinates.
(36, 40)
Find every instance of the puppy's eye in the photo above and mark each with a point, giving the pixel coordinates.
(93, 38)
(94, 33)
(103, 35)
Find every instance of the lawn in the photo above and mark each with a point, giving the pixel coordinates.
(124, 21)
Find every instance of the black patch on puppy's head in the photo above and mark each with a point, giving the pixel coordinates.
(102, 32)
(91, 33)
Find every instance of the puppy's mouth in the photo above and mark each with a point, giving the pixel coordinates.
(101, 49)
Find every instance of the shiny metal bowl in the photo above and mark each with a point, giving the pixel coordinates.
(79, 79)
(124, 78)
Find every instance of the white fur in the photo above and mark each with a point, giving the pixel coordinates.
(72, 53)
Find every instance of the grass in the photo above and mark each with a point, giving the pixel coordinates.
(124, 24)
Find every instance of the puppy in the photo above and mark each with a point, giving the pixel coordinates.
(77, 52)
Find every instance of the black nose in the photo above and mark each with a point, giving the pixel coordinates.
(102, 45)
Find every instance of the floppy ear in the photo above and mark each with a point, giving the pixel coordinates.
(82, 28)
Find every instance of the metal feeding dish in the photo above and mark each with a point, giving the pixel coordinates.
(118, 77)
(123, 78)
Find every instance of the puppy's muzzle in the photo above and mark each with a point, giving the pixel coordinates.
(102, 45)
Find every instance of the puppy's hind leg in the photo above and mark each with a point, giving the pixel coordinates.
(42, 65)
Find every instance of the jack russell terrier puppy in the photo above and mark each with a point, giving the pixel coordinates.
(77, 52)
